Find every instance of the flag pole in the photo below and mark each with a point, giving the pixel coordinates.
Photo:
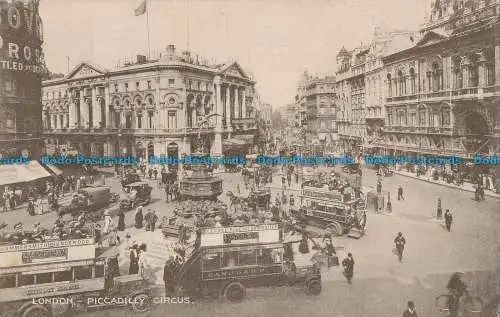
(147, 27)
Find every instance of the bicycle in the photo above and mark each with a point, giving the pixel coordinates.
(469, 306)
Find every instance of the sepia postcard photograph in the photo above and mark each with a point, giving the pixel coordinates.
(242, 158)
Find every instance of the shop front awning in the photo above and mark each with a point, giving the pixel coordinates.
(54, 170)
(19, 173)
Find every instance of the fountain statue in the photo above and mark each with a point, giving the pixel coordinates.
(201, 185)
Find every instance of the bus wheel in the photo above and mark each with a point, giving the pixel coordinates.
(334, 229)
(36, 311)
(314, 287)
(235, 292)
(141, 303)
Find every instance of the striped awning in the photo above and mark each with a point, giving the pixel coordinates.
(19, 173)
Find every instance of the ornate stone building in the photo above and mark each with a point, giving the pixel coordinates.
(351, 99)
(150, 108)
(442, 94)
(316, 99)
(383, 43)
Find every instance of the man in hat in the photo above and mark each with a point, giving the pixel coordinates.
(448, 219)
(410, 310)
(139, 218)
(400, 193)
(134, 259)
(348, 264)
(400, 242)
(169, 276)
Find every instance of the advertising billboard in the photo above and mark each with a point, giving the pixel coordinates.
(21, 37)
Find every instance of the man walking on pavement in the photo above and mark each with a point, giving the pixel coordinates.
(410, 311)
(448, 219)
(400, 193)
(400, 242)
(348, 264)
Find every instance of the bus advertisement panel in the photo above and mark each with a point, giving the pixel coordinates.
(46, 252)
(220, 236)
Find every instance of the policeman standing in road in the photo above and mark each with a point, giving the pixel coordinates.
(448, 219)
(400, 242)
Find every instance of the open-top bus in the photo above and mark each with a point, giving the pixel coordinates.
(55, 277)
(232, 259)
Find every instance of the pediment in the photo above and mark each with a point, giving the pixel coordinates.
(234, 70)
(431, 37)
(85, 70)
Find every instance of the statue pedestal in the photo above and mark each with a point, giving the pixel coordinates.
(200, 185)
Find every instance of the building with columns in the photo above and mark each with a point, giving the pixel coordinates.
(383, 43)
(443, 94)
(350, 86)
(150, 107)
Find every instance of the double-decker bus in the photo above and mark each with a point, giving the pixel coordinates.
(339, 211)
(54, 277)
(231, 259)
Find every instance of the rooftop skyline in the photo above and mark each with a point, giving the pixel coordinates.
(273, 40)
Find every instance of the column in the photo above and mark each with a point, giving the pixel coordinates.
(466, 72)
(446, 72)
(194, 116)
(107, 102)
(83, 106)
(497, 65)
(218, 103)
(93, 103)
(53, 121)
(72, 110)
(228, 107)
(237, 102)
(63, 121)
(243, 103)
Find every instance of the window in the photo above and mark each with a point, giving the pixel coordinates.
(149, 84)
(139, 121)
(126, 86)
(172, 119)
(59, 95)
(99, 270)
(116, 87)
(83, 272)
(171, 83)
(8, 281)
(63, 276)
(229, 259)
(150, 120)
(137, 85)
(10, 85)
(26, 279)
(247, 257)
(211, 261)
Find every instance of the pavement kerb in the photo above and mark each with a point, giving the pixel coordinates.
(487, 193)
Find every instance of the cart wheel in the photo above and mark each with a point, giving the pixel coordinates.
(36, 311)
(335, 229)
(314, 287)
(235, 292)
(141, 303)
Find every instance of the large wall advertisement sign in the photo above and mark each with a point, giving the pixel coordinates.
(21, 37)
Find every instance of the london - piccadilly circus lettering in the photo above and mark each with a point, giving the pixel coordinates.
(21, 36)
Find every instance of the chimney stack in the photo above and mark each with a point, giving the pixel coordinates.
(170, 50)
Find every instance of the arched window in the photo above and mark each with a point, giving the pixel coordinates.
(412, 81)
(402, 83)
(436, 77)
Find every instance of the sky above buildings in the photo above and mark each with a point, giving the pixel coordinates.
(276, 40)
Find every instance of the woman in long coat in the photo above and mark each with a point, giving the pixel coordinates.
(121, 220)
(139, 218)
